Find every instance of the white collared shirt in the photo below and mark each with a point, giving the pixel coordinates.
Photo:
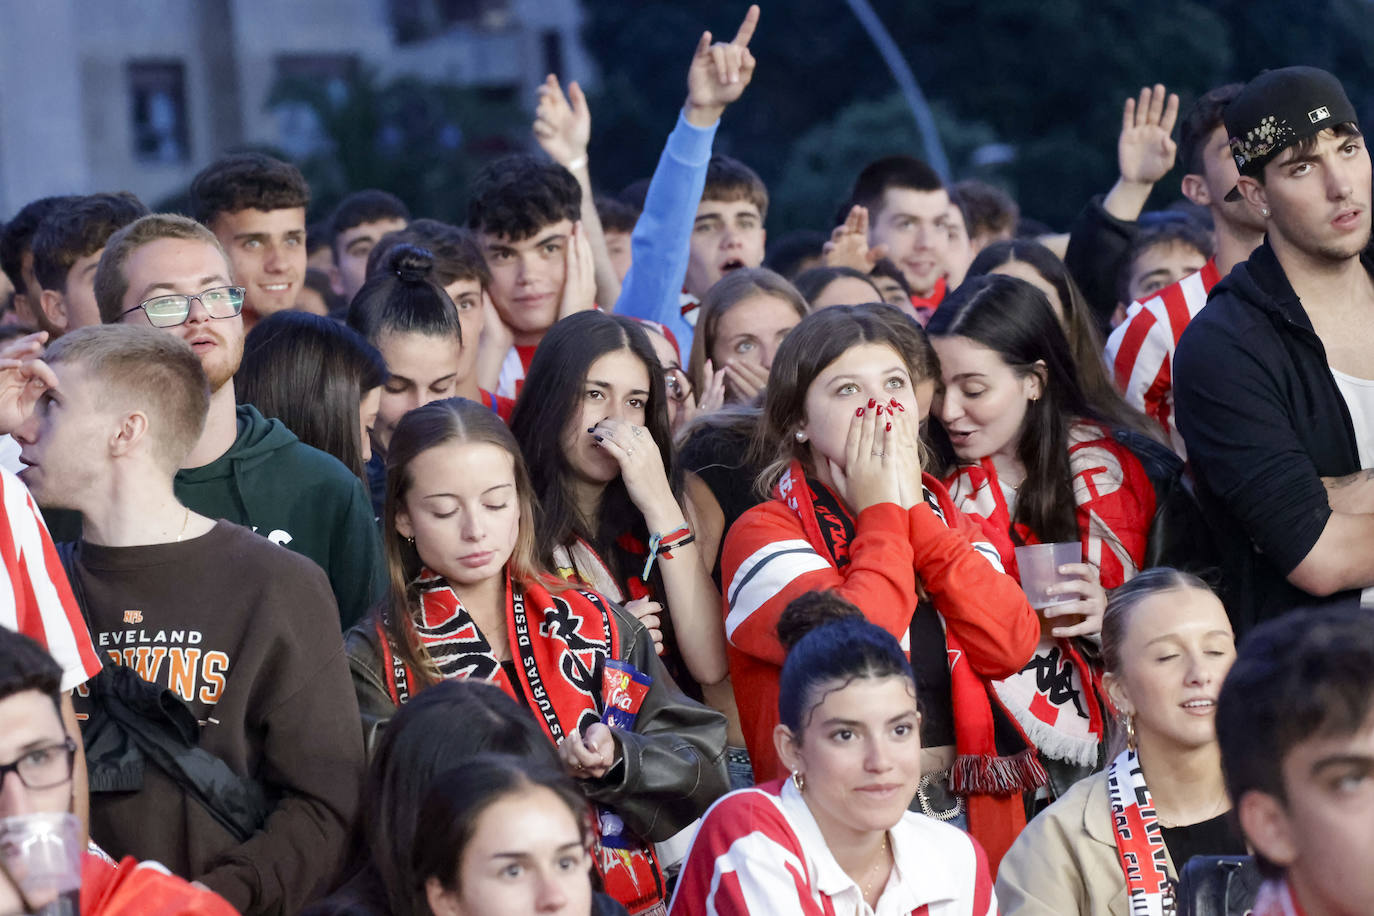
(760, 851)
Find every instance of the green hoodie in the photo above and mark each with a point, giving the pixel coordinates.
(296, 496)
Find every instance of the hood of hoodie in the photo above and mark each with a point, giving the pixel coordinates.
(258, 437)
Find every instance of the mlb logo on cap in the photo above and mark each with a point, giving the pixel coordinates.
(1318, 114)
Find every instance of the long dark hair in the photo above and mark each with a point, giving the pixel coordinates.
(426, 427)
(820, 339)
(455, 802)
(1016, 321)
(443, 727)
(550, 399)
(311, 373)
(1085, 341)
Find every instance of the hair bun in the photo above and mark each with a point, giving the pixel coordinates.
(811, 610)
(411, 263)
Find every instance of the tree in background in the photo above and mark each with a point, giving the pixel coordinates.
(422, 141)
(1047, 77)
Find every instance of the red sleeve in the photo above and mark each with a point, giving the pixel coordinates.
(744, 860)
(767, 561)
(1115, 516)
(144, 889)
(983, 606)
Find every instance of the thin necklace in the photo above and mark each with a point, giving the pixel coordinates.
(184, 522)
(876, 868)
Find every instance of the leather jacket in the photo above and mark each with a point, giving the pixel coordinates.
(672, 765)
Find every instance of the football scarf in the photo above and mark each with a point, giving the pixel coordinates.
(559, 644)
(981, 767)
(1139, 841)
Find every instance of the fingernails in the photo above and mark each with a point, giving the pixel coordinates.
(859, 412)
(591, 429)
(871, 402)
(888, 428)
(900, 407)
(599, 438)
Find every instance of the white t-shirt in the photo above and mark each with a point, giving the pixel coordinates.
(1359, 398)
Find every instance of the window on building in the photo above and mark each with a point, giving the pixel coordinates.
(157, 102)
(416, 20)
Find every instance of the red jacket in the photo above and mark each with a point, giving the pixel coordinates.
(134, 888)
(767, 562)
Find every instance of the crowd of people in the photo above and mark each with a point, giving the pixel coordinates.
(589, 555)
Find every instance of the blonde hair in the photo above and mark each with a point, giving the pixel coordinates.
(144, 369)
(111, 283)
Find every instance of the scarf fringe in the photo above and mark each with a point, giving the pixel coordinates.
(974, 774)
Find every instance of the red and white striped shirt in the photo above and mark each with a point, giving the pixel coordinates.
(759, 851)
(1141, 350)
(35, 598)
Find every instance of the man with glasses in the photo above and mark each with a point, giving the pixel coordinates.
(36, 768)
(169, 272)
(244, 633)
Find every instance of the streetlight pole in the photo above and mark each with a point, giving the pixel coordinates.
(906, 82)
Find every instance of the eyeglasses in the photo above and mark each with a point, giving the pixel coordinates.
(172, 310)
(678, 386)
(43, 767)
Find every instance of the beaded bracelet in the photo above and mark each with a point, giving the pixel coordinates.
(664, 544)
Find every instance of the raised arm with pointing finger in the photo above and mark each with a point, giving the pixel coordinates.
(717, 76)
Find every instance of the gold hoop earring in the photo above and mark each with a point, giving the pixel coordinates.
(799, 780)
(1130, 731)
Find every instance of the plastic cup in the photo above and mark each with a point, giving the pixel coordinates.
(1039, 566)
(42, 852)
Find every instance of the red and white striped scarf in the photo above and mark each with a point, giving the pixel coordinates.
(1139, 840)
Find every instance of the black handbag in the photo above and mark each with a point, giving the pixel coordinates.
(132, 722)
(1218, 886)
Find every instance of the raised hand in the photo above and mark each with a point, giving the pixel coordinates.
(562, 124)
(579, 276)
(848, 245)
(906, 429)
(719, 72)
(23, 379)
(1146, 150)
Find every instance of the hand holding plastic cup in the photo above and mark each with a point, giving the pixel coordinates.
(1039, 566)
(42, 854)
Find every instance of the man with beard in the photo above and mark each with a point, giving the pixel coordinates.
(170, 272)
(1274, 379)
(1141, 350)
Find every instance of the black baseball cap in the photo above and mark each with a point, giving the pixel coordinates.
(1279, 108)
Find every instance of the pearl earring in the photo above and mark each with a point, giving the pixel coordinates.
(801, 436)
(1264, 211)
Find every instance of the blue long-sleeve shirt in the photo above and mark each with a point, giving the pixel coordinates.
(661, 241)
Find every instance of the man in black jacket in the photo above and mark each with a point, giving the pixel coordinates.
(1274, 380)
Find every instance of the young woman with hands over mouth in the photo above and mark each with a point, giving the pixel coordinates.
(742, 321)
(470, 599)
(853, 513)
(1166, 645)
(1036, 462)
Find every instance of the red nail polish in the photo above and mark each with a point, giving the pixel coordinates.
(859, 412)
(889, 428)
(871, 402)
(899, 406)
